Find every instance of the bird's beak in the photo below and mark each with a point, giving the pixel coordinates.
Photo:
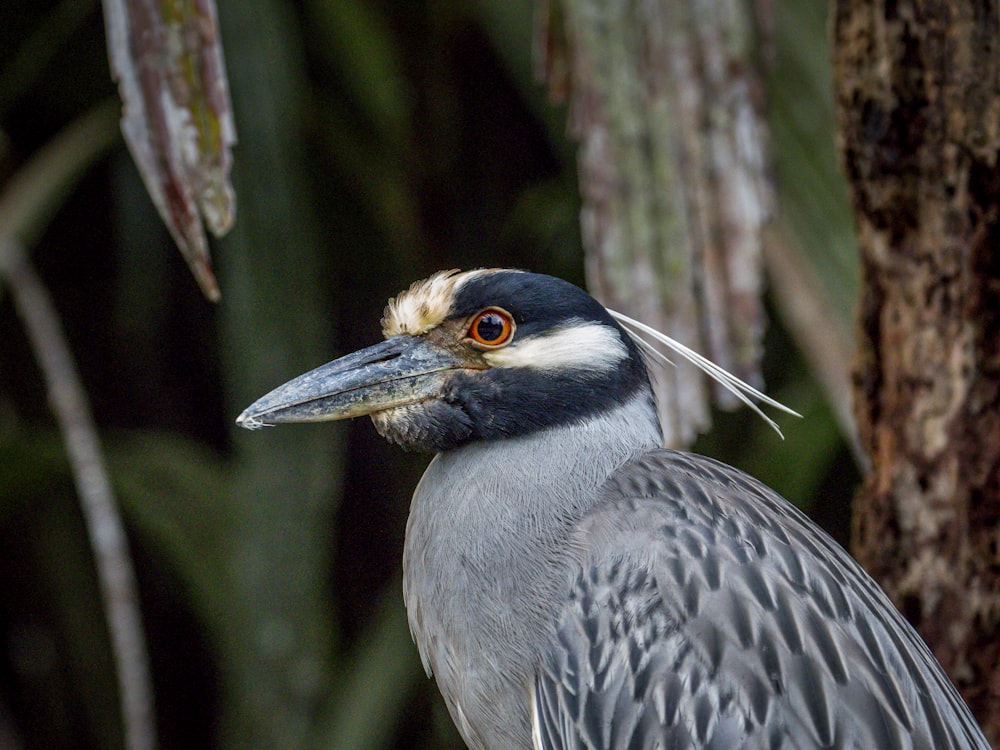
(401, 370)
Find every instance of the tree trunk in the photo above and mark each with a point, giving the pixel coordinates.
(666, 104)
(918, 99)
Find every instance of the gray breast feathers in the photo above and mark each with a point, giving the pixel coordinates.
(707, 612)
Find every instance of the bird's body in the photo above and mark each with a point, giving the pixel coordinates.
(485, 656)
(571, 585)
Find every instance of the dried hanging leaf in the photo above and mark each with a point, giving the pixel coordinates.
(177, 119)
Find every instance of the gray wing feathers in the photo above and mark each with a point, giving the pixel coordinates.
(707, 612)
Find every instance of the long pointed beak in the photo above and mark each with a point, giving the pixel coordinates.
(401, 370)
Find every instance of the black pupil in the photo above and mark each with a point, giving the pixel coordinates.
(490, 327)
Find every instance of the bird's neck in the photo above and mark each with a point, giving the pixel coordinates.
(510, 502)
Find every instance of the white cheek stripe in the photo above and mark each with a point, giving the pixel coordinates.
(590, 346)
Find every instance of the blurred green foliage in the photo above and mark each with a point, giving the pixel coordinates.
(379, 142)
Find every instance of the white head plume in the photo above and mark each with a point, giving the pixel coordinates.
(743, 391)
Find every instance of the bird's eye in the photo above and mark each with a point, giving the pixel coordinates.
(491, 328)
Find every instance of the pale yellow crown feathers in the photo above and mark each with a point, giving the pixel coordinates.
(426, 303)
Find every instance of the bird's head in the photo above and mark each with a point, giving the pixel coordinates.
(477, 355)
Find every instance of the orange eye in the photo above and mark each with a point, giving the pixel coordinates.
(491, 328)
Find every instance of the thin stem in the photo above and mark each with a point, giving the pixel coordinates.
(32, 194)
(813, 322)
(104, 526)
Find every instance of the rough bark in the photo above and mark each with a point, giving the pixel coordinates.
(918, 98)
(666, 105)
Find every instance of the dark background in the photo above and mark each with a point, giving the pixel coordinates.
(379, 142)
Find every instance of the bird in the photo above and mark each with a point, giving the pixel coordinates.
(569, 583)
